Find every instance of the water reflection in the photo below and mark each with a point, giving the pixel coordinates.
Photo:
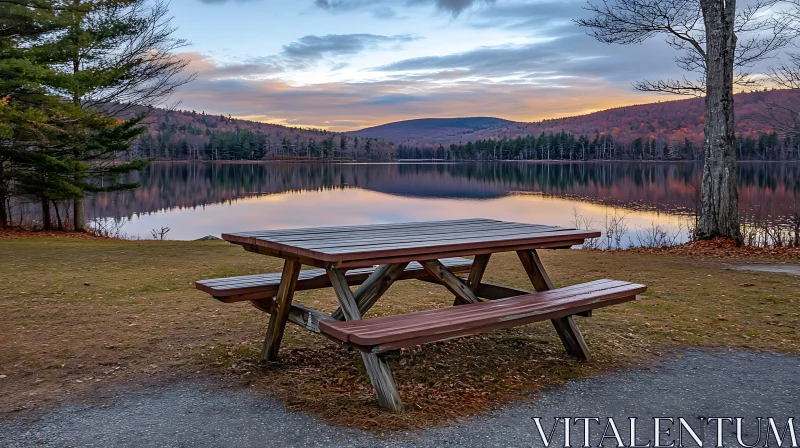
(197, 199)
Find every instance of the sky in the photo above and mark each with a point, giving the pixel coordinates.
(350, 64)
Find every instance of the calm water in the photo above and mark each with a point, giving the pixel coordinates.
(198, 199)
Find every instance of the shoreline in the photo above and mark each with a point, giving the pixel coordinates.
(717, 248)
(448, 162)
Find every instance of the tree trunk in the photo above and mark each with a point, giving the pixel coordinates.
(47, 221)
(719, 212)
(3, 211)
(78, 218)
(58, 216)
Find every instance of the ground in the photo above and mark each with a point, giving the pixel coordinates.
(689, 385)
(86, 318)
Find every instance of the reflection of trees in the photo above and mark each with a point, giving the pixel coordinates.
(768, 187)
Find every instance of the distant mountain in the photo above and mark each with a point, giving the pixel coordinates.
(672, 121)
(433, 130)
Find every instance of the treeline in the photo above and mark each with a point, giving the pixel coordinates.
(211, 137)
(566, 146)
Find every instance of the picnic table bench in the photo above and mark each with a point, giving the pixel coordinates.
(376, 256)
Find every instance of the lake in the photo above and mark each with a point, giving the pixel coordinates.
(195, 199)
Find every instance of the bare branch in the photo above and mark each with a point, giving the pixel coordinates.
(671, 86)
(761, 32)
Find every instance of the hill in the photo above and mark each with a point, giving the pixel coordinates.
(189, 135)
(433, 130)
(669, 121)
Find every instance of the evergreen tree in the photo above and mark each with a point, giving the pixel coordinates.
(113, 56)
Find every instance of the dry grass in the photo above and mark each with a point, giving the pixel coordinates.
(85, 316)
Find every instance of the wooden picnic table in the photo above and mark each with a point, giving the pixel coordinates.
(376, 256)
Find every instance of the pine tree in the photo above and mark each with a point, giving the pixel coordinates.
(113, 56)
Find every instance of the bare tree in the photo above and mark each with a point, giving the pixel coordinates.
(719, 45)
(121, 57)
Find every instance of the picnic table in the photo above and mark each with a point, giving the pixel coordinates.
(376, 256)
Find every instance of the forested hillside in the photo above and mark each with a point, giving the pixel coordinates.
(565, 146)
(673, 121)
(670, 130)
(189, 135)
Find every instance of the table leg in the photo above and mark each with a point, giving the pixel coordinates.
(440, 272)
(380, 374)
(277, 320)
(374, 287)
(475, 275)
(567, 330)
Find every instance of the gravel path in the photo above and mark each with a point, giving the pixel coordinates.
(791, 269)
(697, 383)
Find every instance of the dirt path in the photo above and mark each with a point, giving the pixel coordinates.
(690, 385)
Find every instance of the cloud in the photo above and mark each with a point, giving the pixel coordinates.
(537, 17)
(301, 54)
(210, 69)
(573, 56)
(351, 105)
(312, 48)
(386, 8)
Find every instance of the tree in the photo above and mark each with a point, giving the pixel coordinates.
(115, 58)
(34, 123)
(342, 145)
(720, 44)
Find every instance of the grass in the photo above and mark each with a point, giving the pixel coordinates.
(85, 316)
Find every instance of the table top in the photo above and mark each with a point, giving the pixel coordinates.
(359, 246)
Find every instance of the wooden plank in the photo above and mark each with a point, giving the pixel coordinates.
(392, 258)
(476, 240)
(391, 331)
(387, 329)
(490, 291)
(438, 271)
(291, 255)
(496, 307)
(494, 291)
(367, 297)
(396, 345)
(460, 245)
(347, 303)
(368, 284)
(380, 375)
(567, 330)
(511, 241)
(362, 239)
(394, 234)
(220, 285)
(535, 270)
(303, 316)
(251, 237)
(367, 227)
(571, 337)
(479, 265)
(277, 320)
(261, 286)
(487, 311)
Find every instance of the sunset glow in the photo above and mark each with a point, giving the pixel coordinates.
(349, 64)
